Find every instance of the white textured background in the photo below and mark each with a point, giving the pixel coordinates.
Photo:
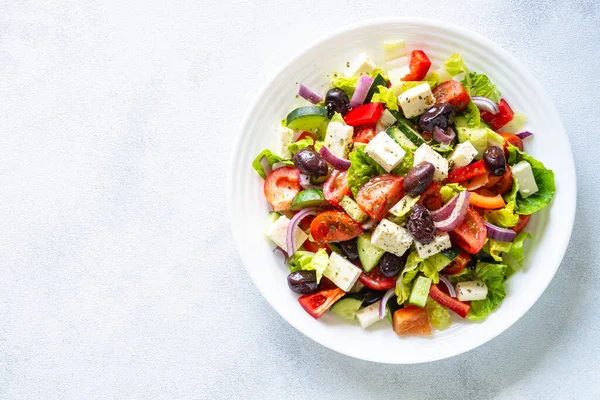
(118, 278)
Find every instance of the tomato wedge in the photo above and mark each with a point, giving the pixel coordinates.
(452, 92)
(471, 234)
(334, 226)
(500, 184)
(450, 303)
(431, 198)
(522, 224)
(336, 187)
(375, 281)
(468, 172)
(364, 134)
(501, 118)
(411, 320)
(317, 303)
(458, 264)
(367, 114)
(419, 66)
(304, 135)
(308, 245)
(486, 202)
(379, 194)
(512, 139)
(281, 186)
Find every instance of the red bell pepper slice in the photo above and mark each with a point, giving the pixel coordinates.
(317, 303)
(364, 115)
(419, 66)
(467, 172)
(501, 118)
(450, 303)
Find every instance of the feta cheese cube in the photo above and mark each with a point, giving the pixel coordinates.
(285, 136)
(368, 315)
(386, 120)
(342, 272)
(524, 175)
(277, 232)
(338, 138)
(362, 64)
(440, 242)
(385, 151)
(393, 49)
(426, 153)
(415, 101)
(391, 237)
(471, 290)
(462, 155)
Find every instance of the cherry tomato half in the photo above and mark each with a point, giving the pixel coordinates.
(334, 226)
(379, 194)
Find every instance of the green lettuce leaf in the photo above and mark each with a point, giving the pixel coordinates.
(515, 257)
(348, 85)
(407, 162)
(544, 178)
(472, 115)
(482, 86)
(439, 316)
(301, 144)
(337, 117)
(450, 190)
(309, 261)
(405, 85)
(386, 96)
(496, 248)
(493, 276)
(378, 71)
(455, 65)
(504, 217)
(271, 157)
(362, 168)
(408, 274)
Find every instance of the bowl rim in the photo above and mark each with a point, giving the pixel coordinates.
(568, 215)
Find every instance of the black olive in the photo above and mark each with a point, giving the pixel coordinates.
(420, 224)
(441, 115)
(310, 163)
(372, 296)
(419, 178)
(494, 160)
(336, 100)
(303, 282)
(391, 265)
(350, 249)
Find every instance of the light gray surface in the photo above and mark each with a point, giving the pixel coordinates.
(117, 274)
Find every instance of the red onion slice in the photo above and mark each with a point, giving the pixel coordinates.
(384, 301)
(524, 135)
(280, 250)
(443, 137)
(264, 163)
(362, 88)
(444, 278)
(367, 226)
(309, 95)
(500, 234)
(486, 104)
(305, 182)
(457, 216)
(338, 163)
(290, 237)
(445, 211)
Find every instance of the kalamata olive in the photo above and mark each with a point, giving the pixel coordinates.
(420, 224)
(350, 249)
(372, 296)
(336, 100)
(418, 179)
(494, 160)
(441, 115)
(303, 282)
(310, 163)
(391, 265)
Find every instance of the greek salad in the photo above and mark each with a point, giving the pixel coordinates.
(402, 193)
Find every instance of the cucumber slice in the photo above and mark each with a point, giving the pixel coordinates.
(353, 210)
(306, 118)
(379, 80)
(368, 254)
(308, 198)
(420, 291)
(395, 133)
(451, 253)
(406, 127)
(347, 307)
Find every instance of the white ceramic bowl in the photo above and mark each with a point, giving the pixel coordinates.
(551, 227)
